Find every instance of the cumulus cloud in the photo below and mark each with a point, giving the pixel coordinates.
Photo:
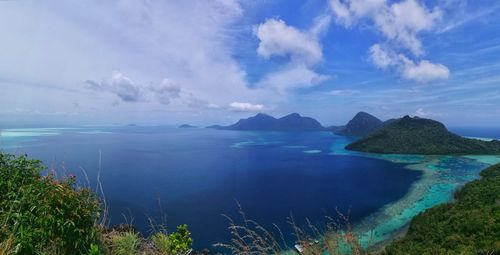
(120, 85)
(129, 91)
(399, 22)
(279, 39)
(239, 106)
(165, 91)
(423, 71)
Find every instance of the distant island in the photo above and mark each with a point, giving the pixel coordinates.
(187, 126)
(362, 124)
(416, 135)
(264, 122)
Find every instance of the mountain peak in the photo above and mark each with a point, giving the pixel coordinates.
(292, 115)
(360, 125)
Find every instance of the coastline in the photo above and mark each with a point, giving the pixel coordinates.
(441, 177)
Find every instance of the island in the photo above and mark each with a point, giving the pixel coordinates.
(264, 122)
(362, 124)
(187, 126)
(416, 135)
(215, 126)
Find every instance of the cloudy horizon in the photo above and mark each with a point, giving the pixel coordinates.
(213, 62)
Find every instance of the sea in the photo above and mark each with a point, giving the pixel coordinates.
(159, 175)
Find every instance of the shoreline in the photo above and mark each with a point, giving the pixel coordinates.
(437, 185)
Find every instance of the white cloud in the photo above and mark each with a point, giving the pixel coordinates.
(301, 47)
(292, 77)
(424, 71)
(129, 91)
(239, 106)
(120, 85)
(166, 90)
(381, 57)
(399, 22)
(279, 39)
(191, 42)
(342, 13)
(340, 92)
(420, 112)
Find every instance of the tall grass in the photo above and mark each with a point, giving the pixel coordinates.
(250, 238)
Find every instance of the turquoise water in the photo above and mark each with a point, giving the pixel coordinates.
(442, 176)
(387, 190)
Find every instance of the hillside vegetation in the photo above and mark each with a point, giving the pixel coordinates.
(421, 136)
(469, 225)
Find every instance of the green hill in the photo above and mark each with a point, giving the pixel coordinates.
(421, 136)
(469, 225)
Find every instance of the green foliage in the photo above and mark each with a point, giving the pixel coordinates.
(470, 225)
(421, 136)
(125, 243)
(178, 242)
(94, 250)
(42, 213)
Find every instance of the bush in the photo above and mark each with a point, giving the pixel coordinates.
(178, 242)
(43, 214)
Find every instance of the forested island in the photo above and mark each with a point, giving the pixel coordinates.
(264, 122)
(416, 135)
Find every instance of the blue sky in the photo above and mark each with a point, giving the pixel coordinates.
(205, 62)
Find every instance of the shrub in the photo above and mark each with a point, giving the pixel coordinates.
(178, 242)
(42, 213)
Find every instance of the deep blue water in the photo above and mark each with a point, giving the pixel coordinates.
(485, 132)
(198, 174)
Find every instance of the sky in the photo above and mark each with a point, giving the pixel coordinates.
(215, 61)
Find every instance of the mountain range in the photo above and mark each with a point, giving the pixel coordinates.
(264, 122)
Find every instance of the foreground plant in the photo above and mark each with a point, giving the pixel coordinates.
(42, 213)
(178, 242)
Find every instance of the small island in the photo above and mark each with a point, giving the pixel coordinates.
(187, 126)
(416, 135)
